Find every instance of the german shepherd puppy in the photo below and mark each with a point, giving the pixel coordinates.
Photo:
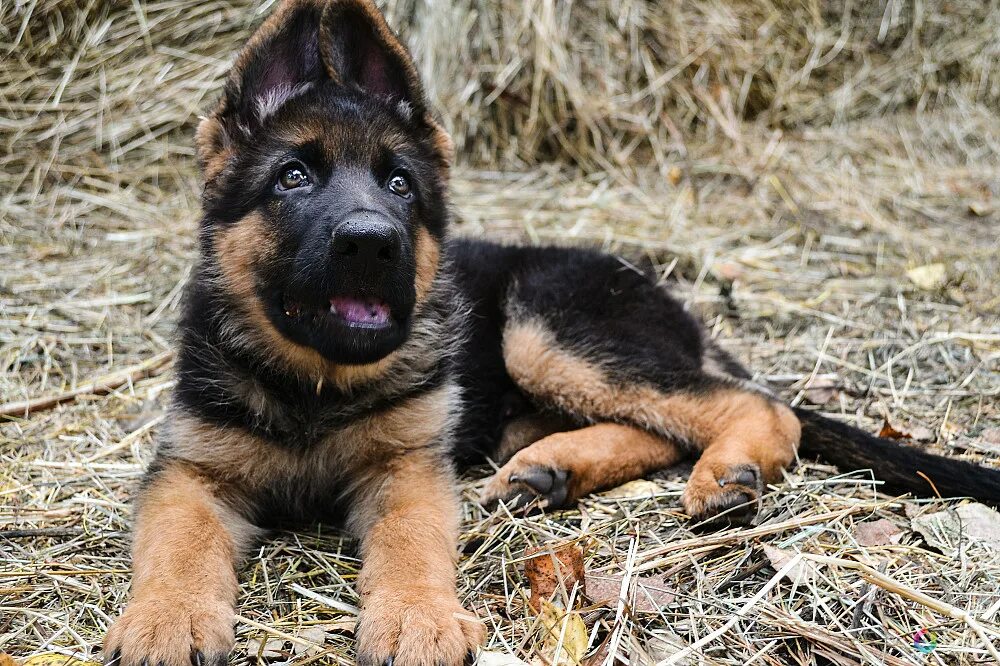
(340, 357)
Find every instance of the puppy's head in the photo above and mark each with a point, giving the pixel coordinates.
(325, 180)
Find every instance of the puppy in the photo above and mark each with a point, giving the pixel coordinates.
(340, 357)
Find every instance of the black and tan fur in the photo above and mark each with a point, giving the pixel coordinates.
(340, 357)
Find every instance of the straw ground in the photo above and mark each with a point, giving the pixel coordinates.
(821, 185)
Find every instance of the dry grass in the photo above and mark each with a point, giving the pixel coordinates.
(791, 164)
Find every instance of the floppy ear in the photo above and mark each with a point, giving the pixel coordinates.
(281, 59)
(359, 48)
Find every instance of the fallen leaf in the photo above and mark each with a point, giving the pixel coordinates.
(565, 638)
(922, 433)
(664, 644)
(888, 431)
(881, 532)
(269, 649)
(822, 390)
(315, 635)
(490, 658)
(928, 277)
(651, 592)
(340, 626)
(945, 530)
(637, 488)
(915, 432)
(980, 208)
(553, 569)
(600, 655)
(802, 572)
(55, 659)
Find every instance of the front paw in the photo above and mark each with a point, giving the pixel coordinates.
(164, 631)
(416, 629)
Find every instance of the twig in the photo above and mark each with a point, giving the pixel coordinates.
(648, 557)
(148, 368)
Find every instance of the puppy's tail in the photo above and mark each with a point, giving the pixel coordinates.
(903, 469)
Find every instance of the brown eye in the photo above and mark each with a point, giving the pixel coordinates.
(291, 178)
(399, 185)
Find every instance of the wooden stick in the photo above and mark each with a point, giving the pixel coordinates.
(133, 373)
(649, 559)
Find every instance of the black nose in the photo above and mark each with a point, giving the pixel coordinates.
(367, 243)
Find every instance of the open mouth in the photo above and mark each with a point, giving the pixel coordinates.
(351, 311)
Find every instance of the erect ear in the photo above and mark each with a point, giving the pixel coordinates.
(359, 48)
(280, 60)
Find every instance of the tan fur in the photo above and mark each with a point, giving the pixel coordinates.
(527, 430)
(407, 512)
(596, 457)
(731, 426)
(428, 258)
(184, 586)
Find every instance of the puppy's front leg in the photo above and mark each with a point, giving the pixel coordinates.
(407, 514)
(185, 543)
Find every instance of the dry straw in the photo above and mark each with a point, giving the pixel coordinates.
(788, 164)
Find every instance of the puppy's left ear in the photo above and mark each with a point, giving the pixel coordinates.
(359, 49)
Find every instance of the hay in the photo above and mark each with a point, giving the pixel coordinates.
(788, 179)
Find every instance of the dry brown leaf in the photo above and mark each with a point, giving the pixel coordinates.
(345, 626)
(651, 592)
(802, 572)
(552, 569)
(315, 635)
(268, 649)
(881, 532)
(822, 390)
(565, 636)
(664, 644)
(888, 431)
(945, 530)
(991, 435)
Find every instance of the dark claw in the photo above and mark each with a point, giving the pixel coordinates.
(114, 659)
(549, 483)
(388, 661)
(744, 475)
(470, 658)
(145, 662)
(197, 658)
(538, 479)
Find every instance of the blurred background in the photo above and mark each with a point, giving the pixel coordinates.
(820, 179)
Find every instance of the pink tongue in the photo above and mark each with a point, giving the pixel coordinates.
(360, 311)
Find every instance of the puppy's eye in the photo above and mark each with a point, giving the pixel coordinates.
(399, 185)
(292, 177)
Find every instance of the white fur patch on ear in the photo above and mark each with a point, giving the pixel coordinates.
(405, 109)
(270, 102)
